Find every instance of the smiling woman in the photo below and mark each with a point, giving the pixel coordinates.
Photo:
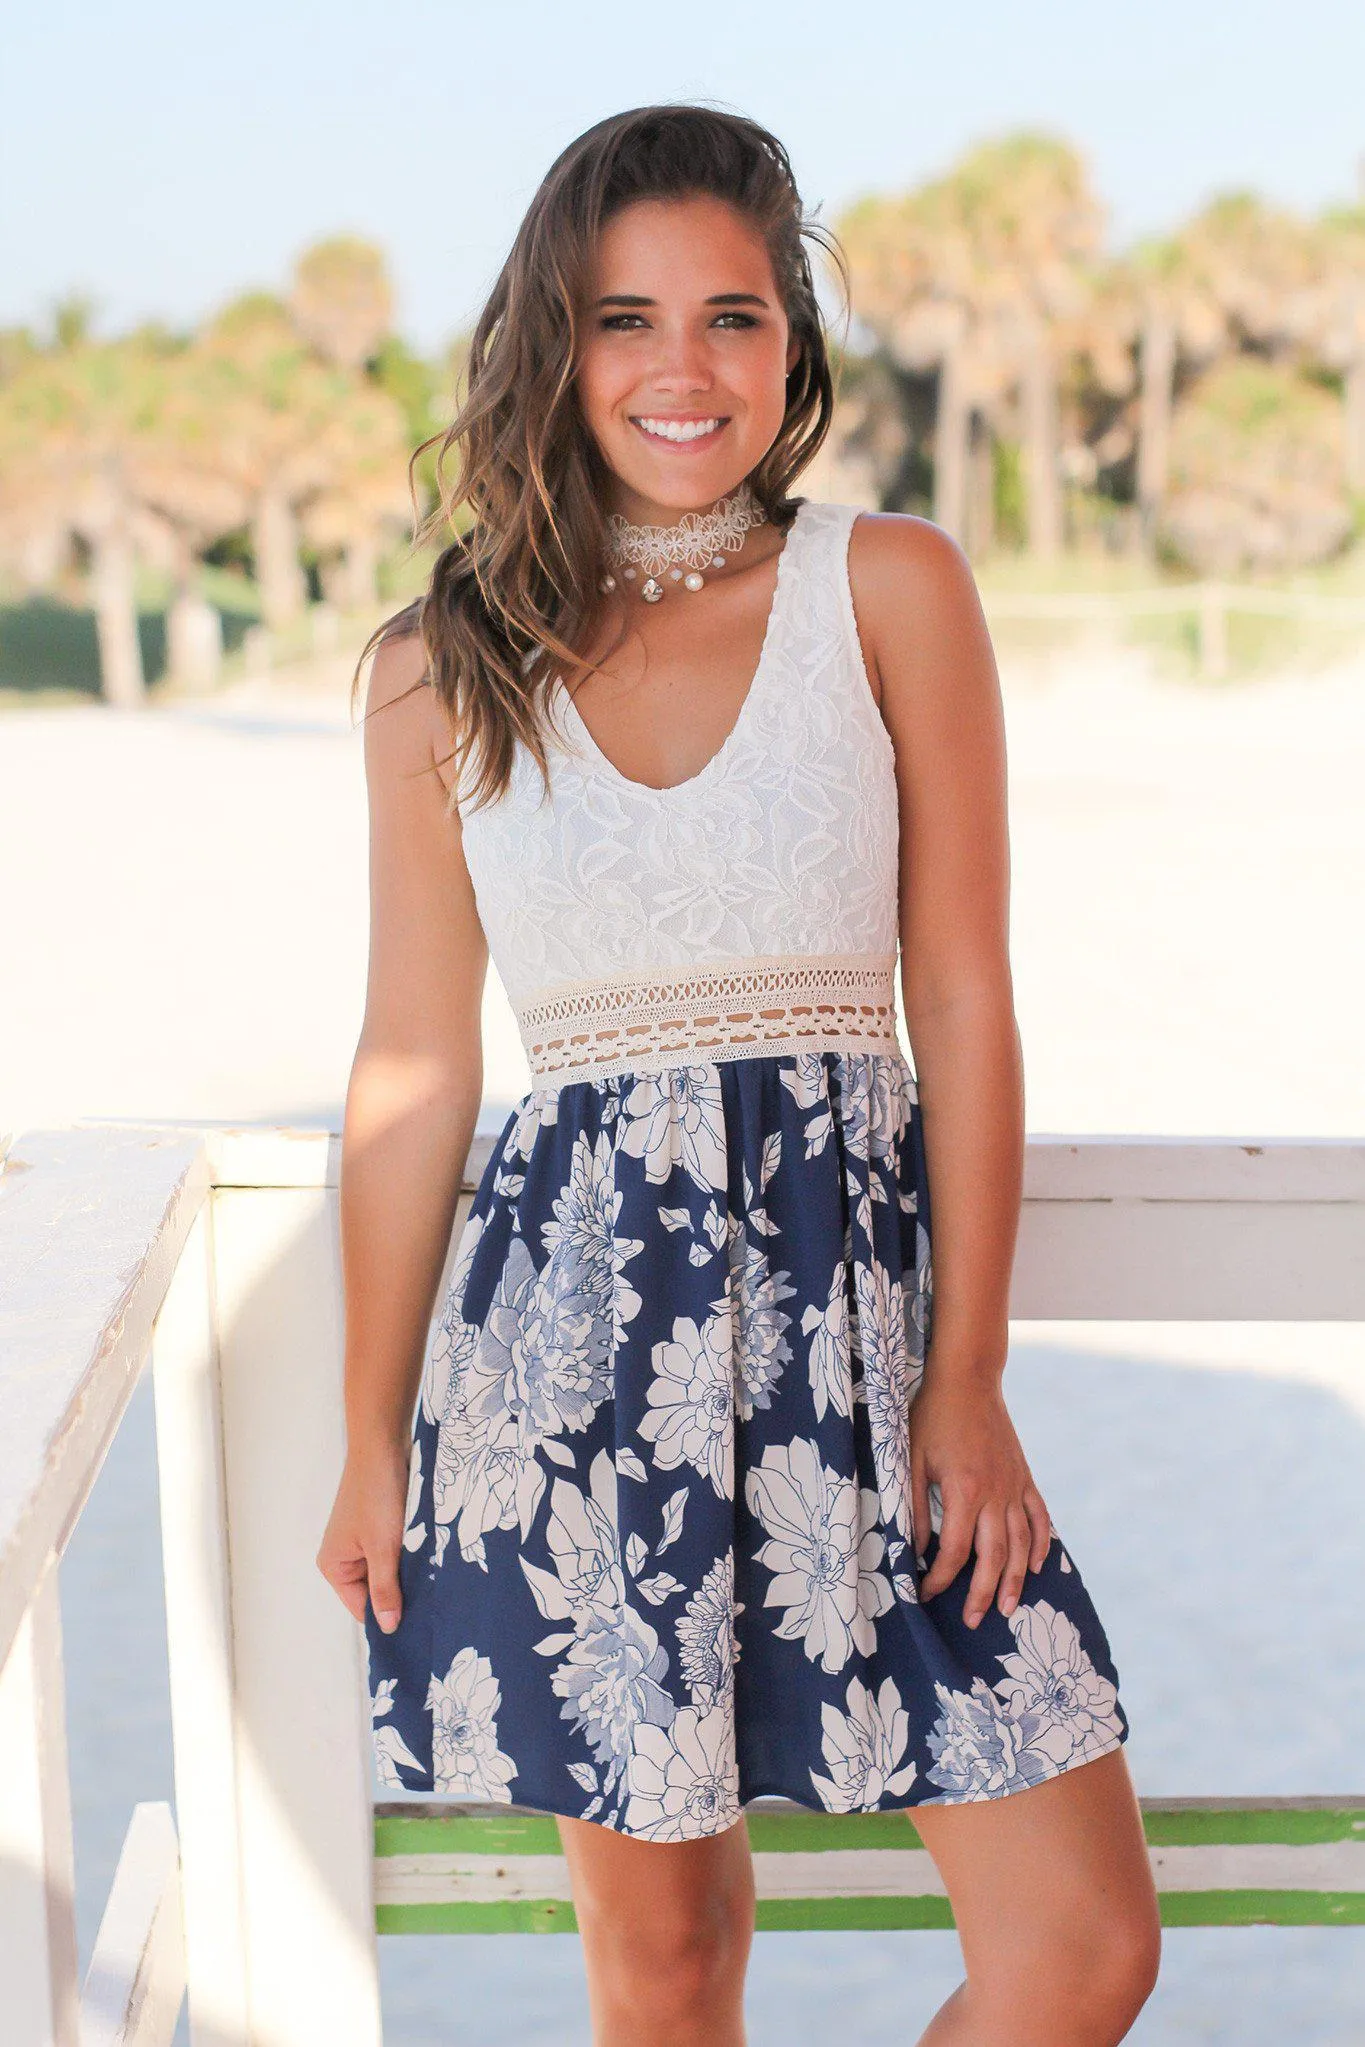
(710, 1491)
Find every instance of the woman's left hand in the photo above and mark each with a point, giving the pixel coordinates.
(963, 1440)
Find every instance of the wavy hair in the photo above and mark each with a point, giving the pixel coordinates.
(513, 596)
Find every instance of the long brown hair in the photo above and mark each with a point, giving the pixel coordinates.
(514, 595)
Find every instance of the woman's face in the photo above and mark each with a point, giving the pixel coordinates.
(683, 332)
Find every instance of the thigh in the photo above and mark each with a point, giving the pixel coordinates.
(1061, 1867)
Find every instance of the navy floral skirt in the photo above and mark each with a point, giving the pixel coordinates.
(658, 1557)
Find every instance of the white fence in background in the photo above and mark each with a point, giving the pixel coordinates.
(214, 1253)
(1209, 604)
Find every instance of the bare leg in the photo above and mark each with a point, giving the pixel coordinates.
(667, 1927)
(1052, 1892)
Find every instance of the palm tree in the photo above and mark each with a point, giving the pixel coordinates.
(976, 274)
(1240, 275)
(271, 399)
(341, 300)
(1343, 333)
(365, 449)
(1256, 478)
(73, 424)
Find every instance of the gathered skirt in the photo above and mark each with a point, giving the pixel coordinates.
(658, 1557)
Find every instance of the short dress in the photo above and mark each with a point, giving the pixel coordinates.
(658, 1557)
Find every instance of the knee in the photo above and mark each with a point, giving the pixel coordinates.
(1138, 1957)
(670, 1973)
(1114, 1971)
(1078, 1984)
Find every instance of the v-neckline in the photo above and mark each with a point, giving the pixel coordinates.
(727, 746)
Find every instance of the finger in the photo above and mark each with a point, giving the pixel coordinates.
(352, 1598)
(1020, 1533)
(954, 1543)
(346, 1576)
(385, 1597)
(992, 1548)
(919, 1508)
(1040, 1521)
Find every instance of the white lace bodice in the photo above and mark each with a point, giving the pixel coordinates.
(777, 861)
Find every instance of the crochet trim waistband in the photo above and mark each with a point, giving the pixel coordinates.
(710, 1011)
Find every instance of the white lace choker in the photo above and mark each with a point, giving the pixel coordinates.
(681, 551)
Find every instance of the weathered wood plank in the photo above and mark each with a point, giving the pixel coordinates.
(1336, 1866)
(135, 1983)
(1057, 1167)
(1202, 1169)
(92, 1223)
(1149, 1260)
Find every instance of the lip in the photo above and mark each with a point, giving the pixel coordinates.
(680, 419)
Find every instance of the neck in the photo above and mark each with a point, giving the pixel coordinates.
(638, 510)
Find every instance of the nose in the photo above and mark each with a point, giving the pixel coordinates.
(682, 363)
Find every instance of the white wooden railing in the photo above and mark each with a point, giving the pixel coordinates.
(213, 1252)
(1208, 604)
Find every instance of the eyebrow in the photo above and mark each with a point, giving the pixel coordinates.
(720, 298)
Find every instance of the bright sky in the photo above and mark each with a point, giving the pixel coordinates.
(159, 157)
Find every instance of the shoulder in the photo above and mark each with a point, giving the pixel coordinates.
(921, 625)
(405, 722)
(916, 603)
(896, 557)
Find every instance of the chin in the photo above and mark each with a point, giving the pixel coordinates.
(682, 492)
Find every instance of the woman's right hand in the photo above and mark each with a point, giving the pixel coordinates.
(359, 1552)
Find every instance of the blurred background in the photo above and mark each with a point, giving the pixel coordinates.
(1108, 327)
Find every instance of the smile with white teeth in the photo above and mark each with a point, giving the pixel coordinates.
(679, 429)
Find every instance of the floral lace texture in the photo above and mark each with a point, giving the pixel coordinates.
(785, 844)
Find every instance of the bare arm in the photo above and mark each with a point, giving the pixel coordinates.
(412, 1104)
(940, 702)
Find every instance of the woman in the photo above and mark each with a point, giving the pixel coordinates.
(711, 1491)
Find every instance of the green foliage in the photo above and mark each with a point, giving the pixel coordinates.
(72, 320)
(1011, 517)
(18, 347)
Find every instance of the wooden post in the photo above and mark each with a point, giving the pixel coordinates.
(195, 1569)
(303, 1749)
(38, 1983)
(1213, 632)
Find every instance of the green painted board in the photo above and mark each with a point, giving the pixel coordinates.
(873, 1915)
(411, 1829)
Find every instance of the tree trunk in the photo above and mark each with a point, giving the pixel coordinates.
(1157, 367)
(43, 553)
(275, 543)
(1039, 413)
(1355, 424)
(194, 642)
(359, 580)
(952, 428)
(115, 599)
(981, 498)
